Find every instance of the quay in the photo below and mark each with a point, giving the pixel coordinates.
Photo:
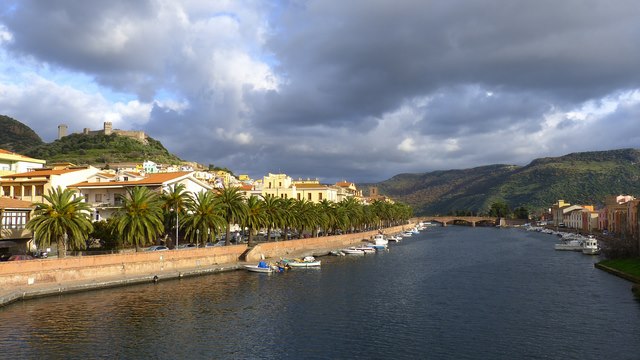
(22, 280)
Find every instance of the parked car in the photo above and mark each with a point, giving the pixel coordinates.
(20, 257)
(157, 248)
(187, 246)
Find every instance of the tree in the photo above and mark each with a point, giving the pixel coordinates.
(272, 213)
(256, 217)
(203, 217)
(139, 220)
(232, 207)
(521, 213)
(499, 209)
(174, 204)
(105, 232)
(62, 218)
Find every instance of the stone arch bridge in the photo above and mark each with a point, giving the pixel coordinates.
(450, 220)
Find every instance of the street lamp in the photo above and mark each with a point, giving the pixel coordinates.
(177, 227)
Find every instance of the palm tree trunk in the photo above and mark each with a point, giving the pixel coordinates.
(250, 238)
(227, 240)
(62, 248)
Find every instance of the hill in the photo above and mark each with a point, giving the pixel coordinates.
(100, 149)
(579, 178)
(16, 136)
(81, 149)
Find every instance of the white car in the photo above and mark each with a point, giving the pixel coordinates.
(157, 248)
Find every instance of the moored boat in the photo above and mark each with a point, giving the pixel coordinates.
(571, 245)
(591, 246)
(307, 261)
(352, 251)
(262, 267)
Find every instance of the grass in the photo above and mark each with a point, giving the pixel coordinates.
(627, 266)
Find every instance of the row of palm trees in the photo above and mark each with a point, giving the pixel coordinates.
(147, 215)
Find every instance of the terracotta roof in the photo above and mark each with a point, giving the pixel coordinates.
(40, 173)
(151, 179)
(10, 203)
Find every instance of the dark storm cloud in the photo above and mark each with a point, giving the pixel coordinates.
(356, 89)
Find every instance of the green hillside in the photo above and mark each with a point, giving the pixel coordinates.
(579, 178)
(15, 136)
(99, 149)
(81, 149)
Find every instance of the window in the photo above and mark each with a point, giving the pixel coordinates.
(17, 190)
(280, 184)
(39, 190)
(6, 190)
(309, 196)
(27, 191)
(14, 219)
(98, 198)
(299, 196)
(319, 196)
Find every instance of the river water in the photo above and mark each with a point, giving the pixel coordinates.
(448, 293)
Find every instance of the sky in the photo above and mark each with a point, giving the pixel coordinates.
(357, 90)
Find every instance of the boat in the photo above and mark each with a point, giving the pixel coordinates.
(406, 234)
(376, 246)
(570, 245)
(366, 249)
(591, 246)
(379, 239)
(396, 238)
(336, 253)
(262, 267)
(307, 261)
(352, 251)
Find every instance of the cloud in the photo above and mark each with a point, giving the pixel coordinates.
(358, 90)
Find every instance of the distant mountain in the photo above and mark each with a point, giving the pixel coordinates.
(579, 178)
(16, 136)
(95, 149)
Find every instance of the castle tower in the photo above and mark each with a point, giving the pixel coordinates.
(108, 128)
(373, 191)
(62, 131)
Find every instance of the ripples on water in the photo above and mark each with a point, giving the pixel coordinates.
(450, 293)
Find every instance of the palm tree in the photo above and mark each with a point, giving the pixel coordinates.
(329, 219)
(308, 215)
(232, 207)
(289, 215)
(203, 217)
(174, 204)
(255, 216)
(63, 217)
(139, 220)
(273, 213)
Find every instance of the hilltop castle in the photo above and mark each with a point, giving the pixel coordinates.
(107, 130)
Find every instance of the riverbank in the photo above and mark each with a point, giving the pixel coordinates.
(37, 278)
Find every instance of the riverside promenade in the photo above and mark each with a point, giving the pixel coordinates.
(22, 280)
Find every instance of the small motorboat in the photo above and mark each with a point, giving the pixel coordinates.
(377, 247)
(591, 246)
(352, 251)
(366, 249)
(307, 261)
(262, 267)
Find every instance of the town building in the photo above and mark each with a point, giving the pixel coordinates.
(14, 236)
(32, 185)
(105, 192)
(12, 163)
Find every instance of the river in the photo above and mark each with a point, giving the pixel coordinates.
(448, 293)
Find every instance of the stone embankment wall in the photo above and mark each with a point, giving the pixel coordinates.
(90, 268)
(312, 246)
(161, 263)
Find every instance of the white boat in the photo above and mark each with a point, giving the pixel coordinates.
(406, 234)
(262, 267)
(571, 245)
(352, 251)
(396, 238)
(591, 246)
(379, 239)
(307, 261)
(366, 249)
(377, 247)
